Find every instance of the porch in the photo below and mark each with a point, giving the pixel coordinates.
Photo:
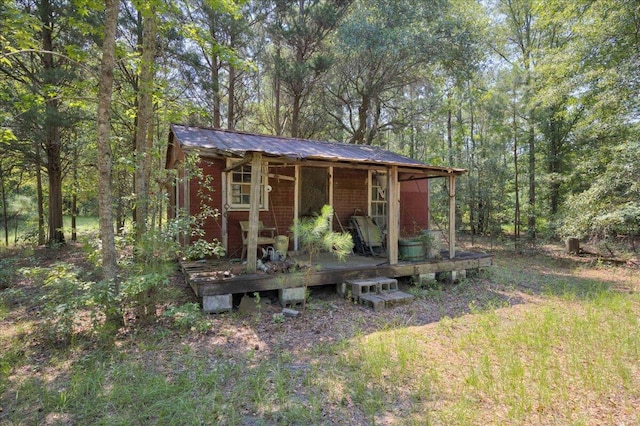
(223, 277)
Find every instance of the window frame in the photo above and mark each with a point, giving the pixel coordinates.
(244, 171)
(377, 199)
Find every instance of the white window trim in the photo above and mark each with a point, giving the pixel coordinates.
(370, 200)
(264, 206)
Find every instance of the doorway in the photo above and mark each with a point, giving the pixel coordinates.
(314, 190)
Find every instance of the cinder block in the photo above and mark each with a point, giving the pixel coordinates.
(374, 301)
(387, 284)
(360, 288)
(458, 275)
(341, 289)
(291, 296)
(394, 298)
(217, 304)
(371, 286)
(426, 279)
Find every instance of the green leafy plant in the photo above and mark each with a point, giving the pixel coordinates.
(65, 296)
(139, 291)
(7, 271)
(188, 316)
(315, 235)
(278, 318)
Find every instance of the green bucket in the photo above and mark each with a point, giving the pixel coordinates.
(411, 250)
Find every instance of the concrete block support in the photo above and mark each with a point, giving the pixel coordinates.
(217, 304)
(456, 276)
(342, 288)
(360, 288)
(374, 301)
(291, 296)
(425, 279)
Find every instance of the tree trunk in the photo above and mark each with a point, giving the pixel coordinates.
(215, 88)
(54, 171)
(531, 220)
(295, 116)
(41, 234)
(516, 219)
(215, 69)
(52, 141)
(449, 129)
(359, 134)
(109, 258)
(145, 112)
(74, 202)
(231, 113)
(276, 92)
(5, 214)
(573, 245)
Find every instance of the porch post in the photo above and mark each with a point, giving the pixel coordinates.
(393, 214)
(224, 220)
(452, 216)
(254, 211)
(296, 206)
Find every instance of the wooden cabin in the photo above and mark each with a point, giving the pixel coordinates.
(267, 182)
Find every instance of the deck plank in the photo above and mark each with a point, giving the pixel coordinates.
(206, 280)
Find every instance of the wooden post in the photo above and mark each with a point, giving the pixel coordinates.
(330, 172)
(452, 216)
(296, 206)
(225, 223)
(254, 211)
(393, 214)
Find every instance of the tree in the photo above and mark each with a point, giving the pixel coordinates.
(299, 30)
(45, 43)
(109, 258)
(144, 117)
(381, 49)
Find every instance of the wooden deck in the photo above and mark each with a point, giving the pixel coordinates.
(219, 277)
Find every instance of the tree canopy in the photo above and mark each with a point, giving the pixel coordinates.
(537, 99)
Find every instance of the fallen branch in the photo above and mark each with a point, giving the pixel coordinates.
(611, 259)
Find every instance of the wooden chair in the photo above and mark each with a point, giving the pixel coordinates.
(262, 240)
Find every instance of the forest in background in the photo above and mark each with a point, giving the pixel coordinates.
(538, 100)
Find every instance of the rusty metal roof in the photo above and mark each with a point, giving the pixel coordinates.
(237, 144)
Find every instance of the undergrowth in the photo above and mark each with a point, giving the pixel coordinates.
(567, 355)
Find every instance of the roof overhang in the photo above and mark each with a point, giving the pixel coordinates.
(217, 143)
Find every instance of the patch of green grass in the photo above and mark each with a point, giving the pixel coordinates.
(84, 225)
(542, 362)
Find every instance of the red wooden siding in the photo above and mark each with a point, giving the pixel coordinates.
(212, 167)
(350, 188)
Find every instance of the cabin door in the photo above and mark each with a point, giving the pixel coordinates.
(314, 190)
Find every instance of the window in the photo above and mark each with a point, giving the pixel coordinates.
(378, 206)
(239, 187)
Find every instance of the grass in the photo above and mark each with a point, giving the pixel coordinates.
(541, 339)
(27, 232)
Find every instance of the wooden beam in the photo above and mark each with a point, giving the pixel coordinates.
(254, 211)
(282, 177)
(237, 165)
(331, 183)
(452, 216)
(224, 219)
(296, 206)
(205, 286)
(393, 214)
